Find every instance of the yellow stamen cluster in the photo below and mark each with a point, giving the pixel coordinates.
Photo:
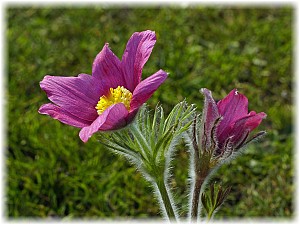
(117, 95)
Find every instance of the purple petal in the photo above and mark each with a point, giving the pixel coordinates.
(62, 115)
(76, 95)
(106, 68)
(233, 107)
(131, 115)
(146, 88)
(111, 119)
(254, 121)
(210, 111)
(243, 125)
(136, 54)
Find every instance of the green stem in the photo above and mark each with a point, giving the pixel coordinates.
(209, 216)
(200, 167)
(196, 188)
(167, 203)
(196, 198)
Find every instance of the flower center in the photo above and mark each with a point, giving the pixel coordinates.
(115, 95)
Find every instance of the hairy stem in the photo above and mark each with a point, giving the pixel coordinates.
(200, 169)
(196, 198)
(196, 188)
(166, 204)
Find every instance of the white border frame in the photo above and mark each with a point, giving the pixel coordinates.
(242, 3)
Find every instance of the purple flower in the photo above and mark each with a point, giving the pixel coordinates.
(228, 123)
(111, 97)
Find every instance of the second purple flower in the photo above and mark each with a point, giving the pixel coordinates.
(227, 124)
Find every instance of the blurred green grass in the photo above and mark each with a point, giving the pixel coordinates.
(51, 173)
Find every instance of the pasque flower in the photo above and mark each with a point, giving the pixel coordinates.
(111, 97)
(223, 129)
(227, 124)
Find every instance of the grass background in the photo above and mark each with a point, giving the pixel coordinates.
(52, 174)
